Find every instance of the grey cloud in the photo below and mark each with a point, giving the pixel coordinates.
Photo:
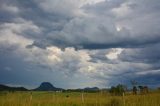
(94, 30)
(148, 54)
(99, 56)
(28, 33)
(99, 31)
(103, 8)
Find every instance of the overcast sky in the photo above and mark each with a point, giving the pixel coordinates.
(79, 43)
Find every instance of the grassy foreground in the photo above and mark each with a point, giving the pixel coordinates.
(76, 99)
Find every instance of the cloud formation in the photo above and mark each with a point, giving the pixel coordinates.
(81, 42)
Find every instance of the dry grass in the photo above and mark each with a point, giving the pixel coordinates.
(75, 99)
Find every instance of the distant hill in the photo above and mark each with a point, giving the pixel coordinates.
(91, 89)
(87, 89)
(46, 86)
(7, 88)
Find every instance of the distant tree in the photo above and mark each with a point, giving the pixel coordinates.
(134, 90)
(118, 90)
(134, 86)
(113, 90)
(140, 88)
(143, 89)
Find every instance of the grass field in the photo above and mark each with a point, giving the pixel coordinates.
(76, 99)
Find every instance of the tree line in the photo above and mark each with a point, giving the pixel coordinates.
(121, 89)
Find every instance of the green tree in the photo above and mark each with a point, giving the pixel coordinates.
(118, 90)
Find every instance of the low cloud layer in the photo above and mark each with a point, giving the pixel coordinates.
(73, 43)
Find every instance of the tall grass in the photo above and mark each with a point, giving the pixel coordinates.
(75, 99)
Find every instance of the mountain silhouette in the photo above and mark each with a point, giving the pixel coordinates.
(46, 86)
(91, 89)
(87, 89)
(7, 88)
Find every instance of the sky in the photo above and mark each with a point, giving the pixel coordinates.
(79, 43)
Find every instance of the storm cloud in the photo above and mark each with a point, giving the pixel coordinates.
(82, 42)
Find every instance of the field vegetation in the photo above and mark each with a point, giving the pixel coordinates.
(28, 98)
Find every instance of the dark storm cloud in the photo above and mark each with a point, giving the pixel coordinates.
(151, 79)
(30, 10)
(135, 24)
(149, 55)
(58, 27)
(78, 32)
(62, 29)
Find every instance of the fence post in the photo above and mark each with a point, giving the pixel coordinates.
(82, 97)
(123, 100)
(30, 99)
